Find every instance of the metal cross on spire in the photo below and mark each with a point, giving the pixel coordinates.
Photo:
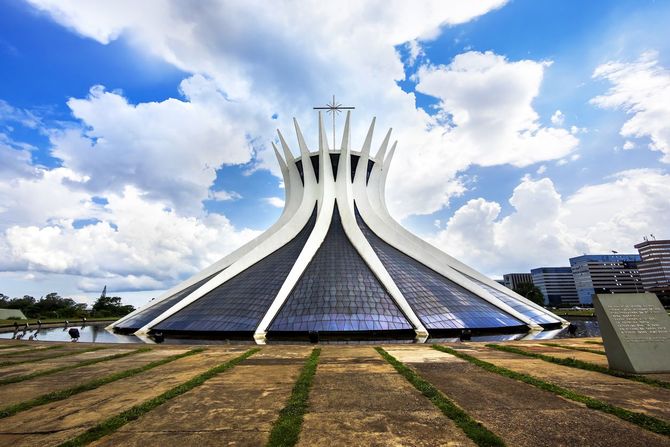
(334, 108)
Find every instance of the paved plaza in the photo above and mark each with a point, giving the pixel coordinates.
(137, 395)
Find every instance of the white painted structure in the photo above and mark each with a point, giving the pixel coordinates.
(362, 190)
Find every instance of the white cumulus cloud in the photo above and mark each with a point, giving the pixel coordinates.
(135, 242)
(557, 119)
(545, 229)
(277, 202)
(642, 90)
(169, 149)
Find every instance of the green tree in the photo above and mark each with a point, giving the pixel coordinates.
(50, 306)
(107, 306)
(53, 305)
(531, 292)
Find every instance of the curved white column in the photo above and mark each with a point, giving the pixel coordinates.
(396, 240)
(345, 201)
(254, 252)
(326, 199)
(301, 198)
(404, 238)
(293, 199)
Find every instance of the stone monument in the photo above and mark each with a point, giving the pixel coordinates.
(636, 331)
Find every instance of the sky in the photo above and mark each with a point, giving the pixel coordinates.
(135, 137)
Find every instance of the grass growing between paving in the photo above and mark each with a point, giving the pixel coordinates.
(574, 363)
(17, 379)
(642, 420)
(64, 394)
(115, 422)
(28, 351)
(286, 429)
(49, 357)
(574, 348)
(473, 429)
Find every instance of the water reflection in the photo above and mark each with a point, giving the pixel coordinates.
(90, 333)
(585, 328)
(96, 333)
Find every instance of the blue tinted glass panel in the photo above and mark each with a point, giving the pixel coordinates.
(239, 304)
(146, 315)
(338, 292)
(438, 302)
(535, 315)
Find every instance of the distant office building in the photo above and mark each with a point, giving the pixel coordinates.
(500, 281)
(605, 274)
(557, 285)
(512, 280)
(655, 266)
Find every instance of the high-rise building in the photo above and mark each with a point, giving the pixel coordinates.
(512, 280)
(613, 273)
(557, 285)
(336, 263)
(655, 266)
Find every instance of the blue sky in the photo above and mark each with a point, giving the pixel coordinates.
(135, 141)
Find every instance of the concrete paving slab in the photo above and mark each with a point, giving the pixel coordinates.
(54, 423)
(380, 429)
(184, 438)
(561, 353)
(524, 415)
(623, 393)
(421, 354)
(370, 408)
(237, 407)
(32, 388)
(43, 365)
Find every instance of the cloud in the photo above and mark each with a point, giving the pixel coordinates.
(15, 160)
(261, 62)
(485, 117)
(486, 102)
(8, 113)
(49, 196)
(642, 90)
(169, 149)
(277, 202)
(545, 229)
(247, 63)
(223, 196)
(557, 119)
(136, 243)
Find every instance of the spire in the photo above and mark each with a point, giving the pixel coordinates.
(381, 153)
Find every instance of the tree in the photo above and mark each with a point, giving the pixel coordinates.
(531, 292)
(55, 306)
(106, 306)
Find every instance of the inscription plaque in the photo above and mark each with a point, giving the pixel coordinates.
(636, 331)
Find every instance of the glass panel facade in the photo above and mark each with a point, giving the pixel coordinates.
(535, 315)
(239, 304)
(338, 292)
(146, 315)
(438, 302)
(334, 163)
(334, 159)
(354, 164)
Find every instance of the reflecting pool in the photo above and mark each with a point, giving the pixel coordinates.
(96, 333)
